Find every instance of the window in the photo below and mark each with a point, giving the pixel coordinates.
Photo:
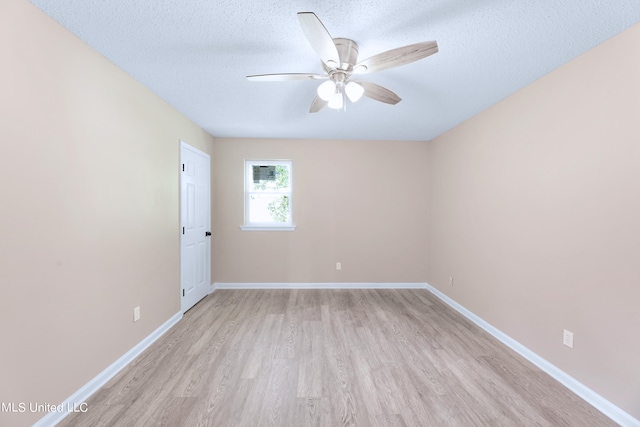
(267, 195)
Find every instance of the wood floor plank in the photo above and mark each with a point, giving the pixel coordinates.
(391, 420)
(343, 357)
(310, 378)
(248, 406)
(313, 412)
(289, 343)
(279, 406)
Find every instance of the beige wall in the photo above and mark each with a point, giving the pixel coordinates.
(361, 203)
(89, 210)
(535, 213)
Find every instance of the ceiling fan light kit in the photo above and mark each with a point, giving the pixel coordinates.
(339, 58)
(334, 91)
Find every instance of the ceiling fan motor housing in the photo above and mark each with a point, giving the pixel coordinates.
(348, 52)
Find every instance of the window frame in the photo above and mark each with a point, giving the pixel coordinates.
(248, 180)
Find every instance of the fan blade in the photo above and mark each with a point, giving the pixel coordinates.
(379, 93)
(317, 104)
(396, 57)
(319, 38)
(285, 77)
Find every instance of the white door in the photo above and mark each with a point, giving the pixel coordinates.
(195, 220)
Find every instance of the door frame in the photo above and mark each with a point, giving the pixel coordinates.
(184, 146)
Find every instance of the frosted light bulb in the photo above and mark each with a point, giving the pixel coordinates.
(354, 91)
(326, 90)
(336, 102)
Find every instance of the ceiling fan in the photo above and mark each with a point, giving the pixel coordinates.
(339, 61)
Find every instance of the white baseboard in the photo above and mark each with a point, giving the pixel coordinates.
(594, 399)
(327, 285)
(79, 397)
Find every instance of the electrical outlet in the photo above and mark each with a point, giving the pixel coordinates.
(450, 281)
(338, 266)
(136, 314)
(567, 338)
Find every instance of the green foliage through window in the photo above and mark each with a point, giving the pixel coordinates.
(278, 208)
(282, 180)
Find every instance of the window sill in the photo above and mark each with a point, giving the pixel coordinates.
(267, 228)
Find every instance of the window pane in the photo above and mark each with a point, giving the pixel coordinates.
(266, 208)
(280, 183)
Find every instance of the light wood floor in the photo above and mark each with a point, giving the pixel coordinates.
(331, 358)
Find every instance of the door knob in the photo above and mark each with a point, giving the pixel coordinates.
(208, 233)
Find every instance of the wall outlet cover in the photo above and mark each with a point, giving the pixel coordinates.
(567, 338)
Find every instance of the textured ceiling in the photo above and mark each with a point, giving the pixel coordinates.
(195, 55)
